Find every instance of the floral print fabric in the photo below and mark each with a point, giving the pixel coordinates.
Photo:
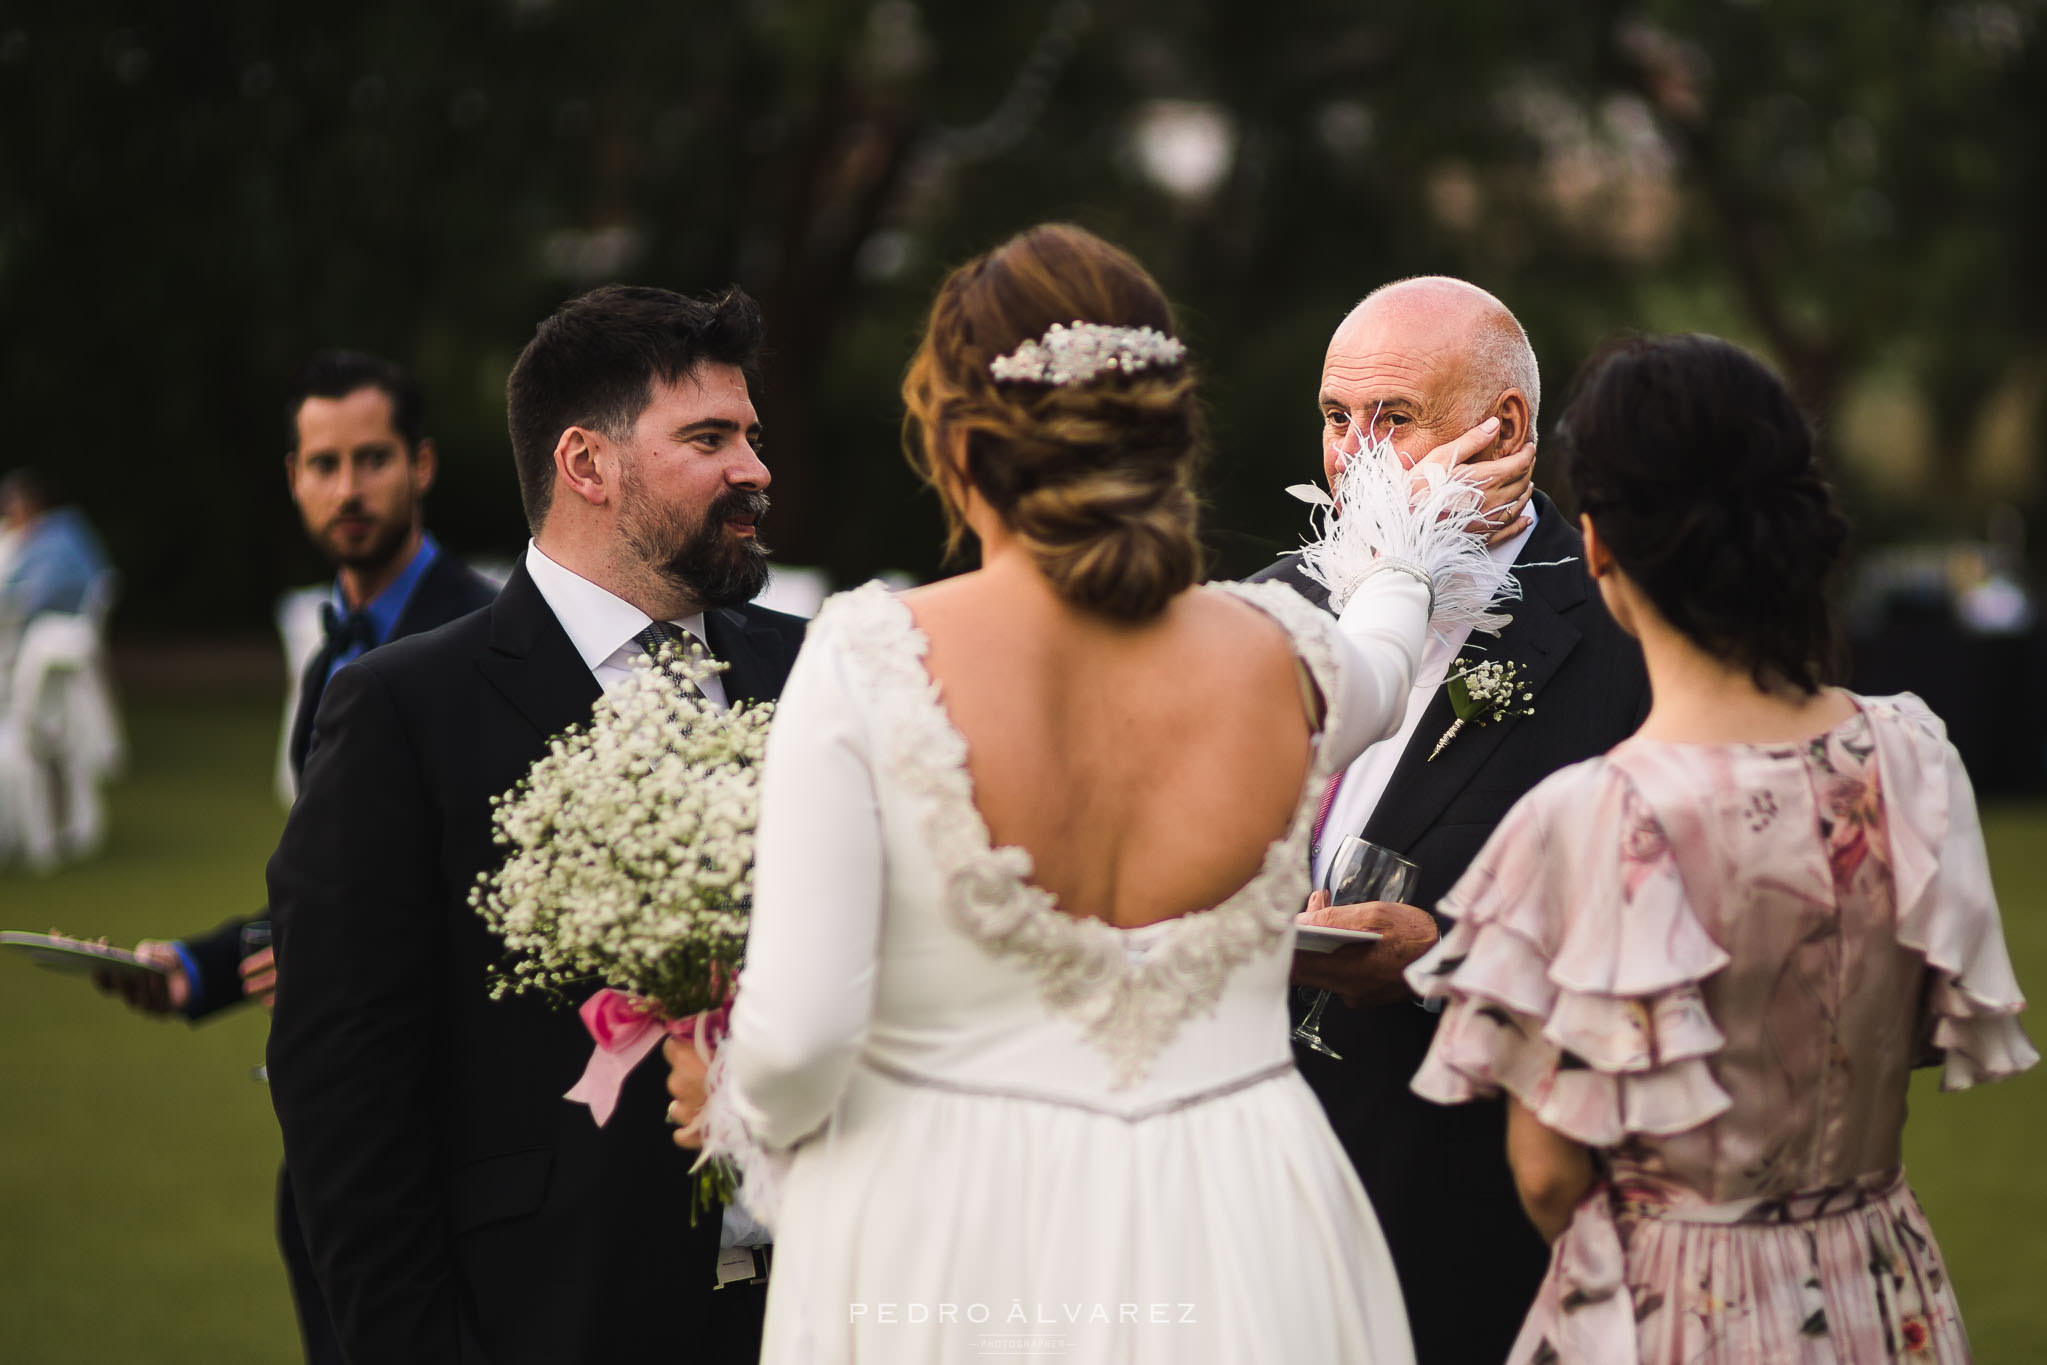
(1848, 1274)
(1717, 964)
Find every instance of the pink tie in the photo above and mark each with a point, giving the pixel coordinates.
(1322, 814)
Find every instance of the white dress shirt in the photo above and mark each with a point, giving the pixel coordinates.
(1364, 782)
(602, 625)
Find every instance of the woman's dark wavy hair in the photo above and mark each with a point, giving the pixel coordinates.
(1700, 474)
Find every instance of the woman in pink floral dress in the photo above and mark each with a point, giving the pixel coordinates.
(1703, 966)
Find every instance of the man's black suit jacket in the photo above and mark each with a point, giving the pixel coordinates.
(1469, 1260)
(447, 590)
(457, 1208)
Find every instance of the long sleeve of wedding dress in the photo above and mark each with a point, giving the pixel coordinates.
(1380, 637)
(808, 989)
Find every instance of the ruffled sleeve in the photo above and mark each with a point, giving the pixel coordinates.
(1571, 971)
(1947, 909)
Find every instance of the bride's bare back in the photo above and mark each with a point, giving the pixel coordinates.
(1146, 769)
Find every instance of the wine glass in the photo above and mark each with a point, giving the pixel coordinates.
(255, 938)
(1361, 871)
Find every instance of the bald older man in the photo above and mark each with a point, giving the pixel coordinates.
(1418, 363)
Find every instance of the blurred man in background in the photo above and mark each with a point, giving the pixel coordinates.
(49, 557)
(359, 468)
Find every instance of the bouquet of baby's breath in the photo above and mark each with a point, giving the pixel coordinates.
(631, 868)
(631, 845)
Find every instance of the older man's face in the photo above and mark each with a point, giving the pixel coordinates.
(1400, 376)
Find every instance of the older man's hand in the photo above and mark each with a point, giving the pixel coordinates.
(1366, 974)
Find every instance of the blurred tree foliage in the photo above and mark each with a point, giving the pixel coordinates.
(194, 196)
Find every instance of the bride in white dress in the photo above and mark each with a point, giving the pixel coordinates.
(1009, 1070)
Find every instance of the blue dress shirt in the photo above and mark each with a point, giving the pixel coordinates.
(382, 611)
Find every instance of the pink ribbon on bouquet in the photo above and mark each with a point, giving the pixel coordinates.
(625, 1029)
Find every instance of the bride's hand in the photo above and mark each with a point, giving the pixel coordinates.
(1509, 483)
(686, 1084)
(1508, 480)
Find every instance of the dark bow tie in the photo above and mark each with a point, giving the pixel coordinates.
(347, 630)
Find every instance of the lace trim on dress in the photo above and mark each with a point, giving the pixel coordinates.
(1128, 1010)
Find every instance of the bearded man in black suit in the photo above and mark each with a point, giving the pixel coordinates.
(358, 469)
(1418, 363)
(457, 1208)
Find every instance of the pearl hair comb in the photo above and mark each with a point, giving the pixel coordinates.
(1082, 351)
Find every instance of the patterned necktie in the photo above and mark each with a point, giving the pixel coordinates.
(1322, 818)
(659, 633)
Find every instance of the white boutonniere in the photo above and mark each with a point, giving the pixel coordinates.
(1482, 694)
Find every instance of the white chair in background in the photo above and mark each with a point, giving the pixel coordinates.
(60, 737)
(796, 589)
(97, 608)
(300, 629)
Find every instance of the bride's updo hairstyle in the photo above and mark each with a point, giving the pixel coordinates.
(1094, 478)
(1699, 472)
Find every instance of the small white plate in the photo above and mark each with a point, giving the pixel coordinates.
(1322, 938)
(61, 954)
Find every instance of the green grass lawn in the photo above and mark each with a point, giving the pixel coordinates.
(137, 1157)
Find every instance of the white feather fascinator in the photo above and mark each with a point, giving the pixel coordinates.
(1384, 514)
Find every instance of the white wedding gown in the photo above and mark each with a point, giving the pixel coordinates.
(1016, 1132)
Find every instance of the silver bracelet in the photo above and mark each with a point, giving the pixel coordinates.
(1411, 569)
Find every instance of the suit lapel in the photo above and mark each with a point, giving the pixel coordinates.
(1539, 638)
(1420, 788)
(756, 659)
(531, 662)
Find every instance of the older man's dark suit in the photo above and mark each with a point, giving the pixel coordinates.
(457, 1208)
(1469, 1260)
